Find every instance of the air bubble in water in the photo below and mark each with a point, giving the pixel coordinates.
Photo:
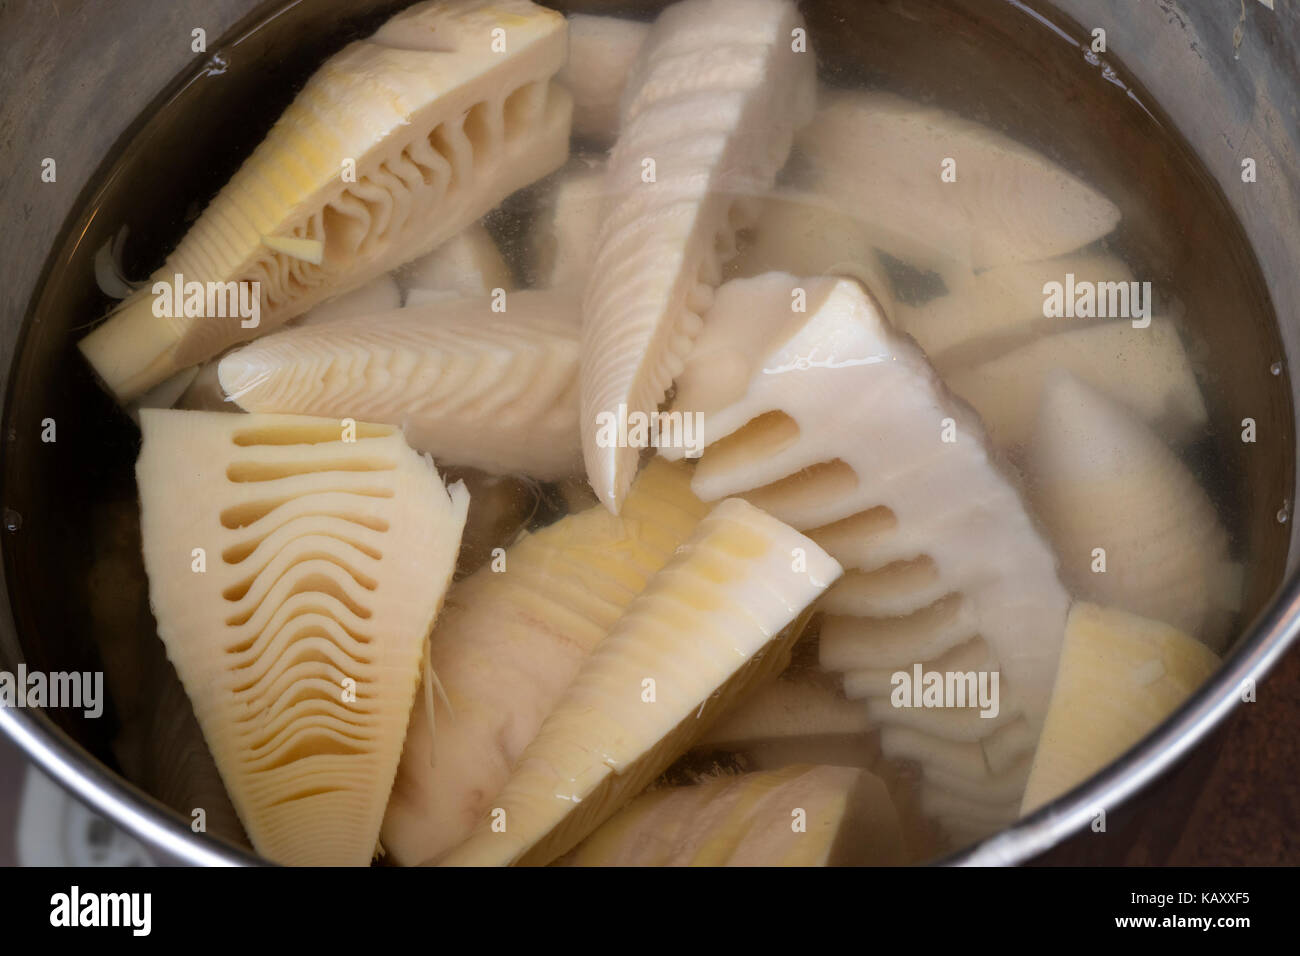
(1276, 368)
(1284, 513)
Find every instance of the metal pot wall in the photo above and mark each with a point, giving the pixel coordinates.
(86, 81)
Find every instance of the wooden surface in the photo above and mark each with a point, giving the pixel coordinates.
(12, 770)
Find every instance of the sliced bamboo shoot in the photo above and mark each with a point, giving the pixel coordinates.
(468, 383)
(797, 816)
(204, 393)
(980, 310)
(981, 763)
(785, 709)
(1121, 675)
(710, 624)
(805, 236)
(1145, 369)
(562, 241)
(819, 412)
(882, 160)
(602, 51)
(951, 723)
(877, 682)
(708, 119)
(466, 266)
(395, 145)
(1100, 479)
(1007, 786)
(377, 295)
(295, 570)
(964, 814)
(510, 640)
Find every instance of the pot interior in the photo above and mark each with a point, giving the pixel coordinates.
(73, 568)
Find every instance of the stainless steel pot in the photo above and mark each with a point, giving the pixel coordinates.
(83, 79)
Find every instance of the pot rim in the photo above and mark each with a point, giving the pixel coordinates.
(161, 828)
